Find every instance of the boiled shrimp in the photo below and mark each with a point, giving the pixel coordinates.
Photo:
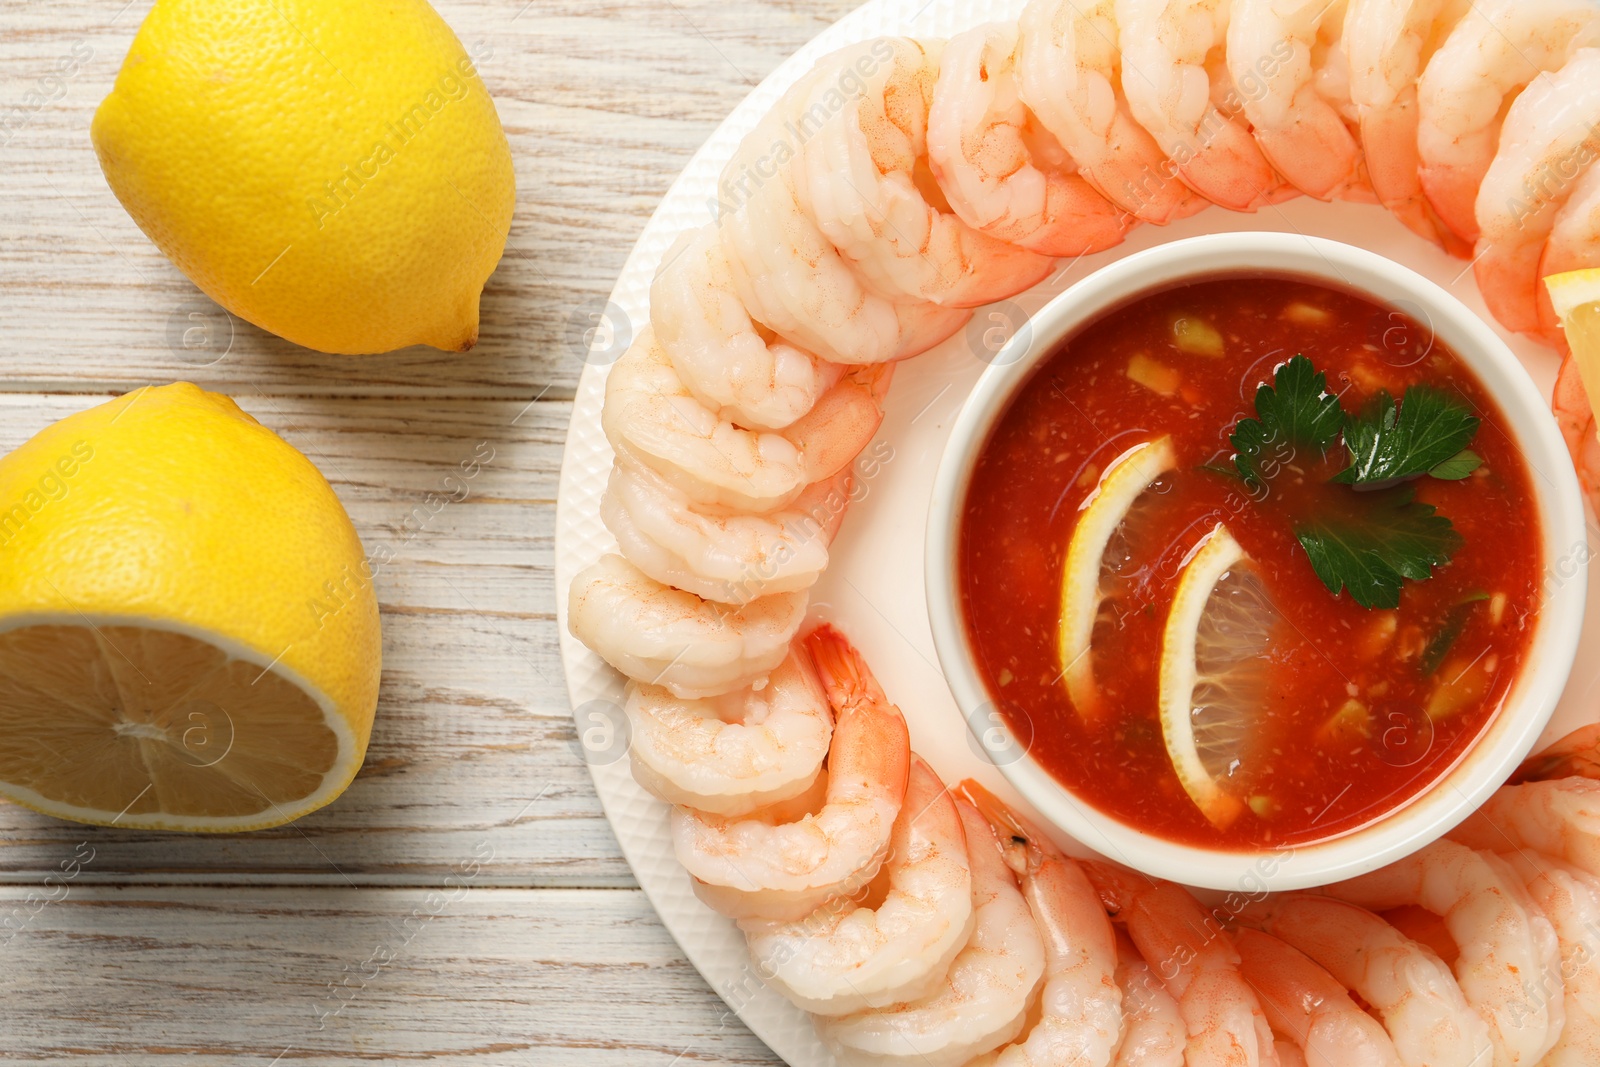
(652, 420)
(1080, 1007)
(720, 355)
(1508, 948)
(1289, 1054)
(1495, 50)
(1575, 755)
(787, 869)
(1575, 418)
(986, 994)
(1310, 1006)
(856, 177)
(1570, 899)
(1551, 129)
(663, 636)
(1559, 818)
(1153, 1030)
(1387, 44)
(846, 956)
(728, 558)
(1166, 48)
(1271, 52)
(734, 754)
(786, 272)
(1574, 244)
(1331, 74)
(842, 422)
(1069, 74)
(1196, 960)
(1409, 987)
(1001, 173)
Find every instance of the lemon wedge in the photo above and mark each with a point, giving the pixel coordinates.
(1213, 670)
(1576, 298)
(1083, 581)
(1573, 290)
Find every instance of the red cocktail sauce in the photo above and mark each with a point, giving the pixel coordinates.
(1308, 772)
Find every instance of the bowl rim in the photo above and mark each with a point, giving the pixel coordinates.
(1529, 703)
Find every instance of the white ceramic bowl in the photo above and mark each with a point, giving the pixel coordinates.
(1532, 697)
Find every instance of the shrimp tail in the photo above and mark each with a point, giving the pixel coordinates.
(1116, 886)
(844, 673)
(1006, 822)
(1576, 755)
(994, 812)
(1027, 848)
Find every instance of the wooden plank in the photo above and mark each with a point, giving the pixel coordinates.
(214, 976)
(474, 737)
(602, 103)
(474, 748)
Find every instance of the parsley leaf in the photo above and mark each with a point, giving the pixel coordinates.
(1370, 541)
(1454, 622)
(1457, 466)
(1429, 429)
(1295, 412)
(1371, 550)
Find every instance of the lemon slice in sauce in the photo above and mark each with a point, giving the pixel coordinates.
(1214, 671)
(1083, 582)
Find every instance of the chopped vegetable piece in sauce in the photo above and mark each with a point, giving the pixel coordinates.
(1154, 376)
(1378, 637)
(1351, 724)
(1196, 336)
(1304, 314)
(1264, 807)
(1461, 684)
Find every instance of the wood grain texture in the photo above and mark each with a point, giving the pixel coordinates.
(473, 734)
(452, 972)
(215, 950)
(602, 103)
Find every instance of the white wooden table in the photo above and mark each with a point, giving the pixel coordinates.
(336, 939)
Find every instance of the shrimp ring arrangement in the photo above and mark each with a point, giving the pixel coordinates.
(893, 188)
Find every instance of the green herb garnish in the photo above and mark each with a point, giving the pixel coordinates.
(1428, 430)
(1455, 621)
(1457, 466)
(1371, 549)
(1294, 413)
(1365, 532)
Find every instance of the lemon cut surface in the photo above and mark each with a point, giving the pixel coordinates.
(1214, 672)
(1086, 580)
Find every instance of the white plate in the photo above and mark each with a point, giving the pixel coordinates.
(873, 588)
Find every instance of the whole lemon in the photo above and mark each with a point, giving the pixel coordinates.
(189, 634)
(334, 171)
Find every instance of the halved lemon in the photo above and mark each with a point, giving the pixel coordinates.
(1214, 671)
(1083, 580)
(188, 631)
